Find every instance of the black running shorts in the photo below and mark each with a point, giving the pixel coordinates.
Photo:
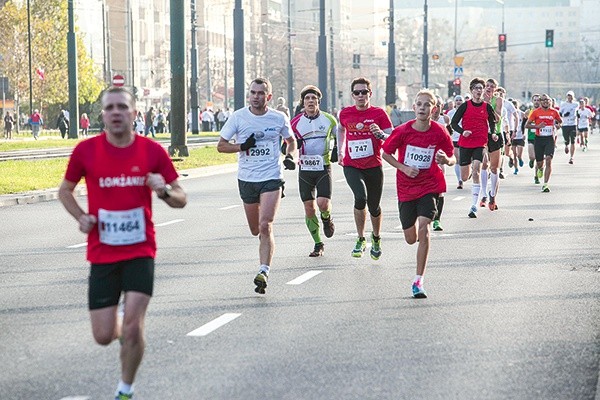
(468, 155)
(107, 281)
(310, 182)
(250, 191)
(425, 206)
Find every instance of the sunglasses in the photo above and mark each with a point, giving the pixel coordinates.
(364, 92)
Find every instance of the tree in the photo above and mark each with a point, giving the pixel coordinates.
(49, 26)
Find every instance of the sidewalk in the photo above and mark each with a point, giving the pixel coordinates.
(39, 196)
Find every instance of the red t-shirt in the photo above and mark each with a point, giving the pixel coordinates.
(475, 119)
(116, 183)
(549, 116)
(418, 149)
(362, 148)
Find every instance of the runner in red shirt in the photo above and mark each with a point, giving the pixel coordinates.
(545, 120)
(474, 120)
(422, 146)
(361, 131)
(121, 171)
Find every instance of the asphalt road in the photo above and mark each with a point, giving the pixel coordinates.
(513, 309)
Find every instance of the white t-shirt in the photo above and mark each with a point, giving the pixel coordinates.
(455, 135)
(510, 110)
(263, 162)
(570, 108)
(583, 116)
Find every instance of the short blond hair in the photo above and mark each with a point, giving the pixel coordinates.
(428, 93)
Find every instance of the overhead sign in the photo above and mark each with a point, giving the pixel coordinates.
(118, 80)
(458, 71)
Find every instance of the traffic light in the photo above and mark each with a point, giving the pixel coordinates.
(549, 37)
(356, 61)
(502, 42)
(454, 87)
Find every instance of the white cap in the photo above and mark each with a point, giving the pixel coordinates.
(458, 97)
(571, 93)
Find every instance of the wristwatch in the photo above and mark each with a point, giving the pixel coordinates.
(167, 192)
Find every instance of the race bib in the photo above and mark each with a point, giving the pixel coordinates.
(418, 157)
(262, 152)
(360, 148)
(547, 131)
(311, 163)
(119, 228)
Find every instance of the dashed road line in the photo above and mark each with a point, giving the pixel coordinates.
(303, 278)
(175, 221)
(214, 324)
(229, 207)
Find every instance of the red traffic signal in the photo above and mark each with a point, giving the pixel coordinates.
(456, 82)
(502, 42)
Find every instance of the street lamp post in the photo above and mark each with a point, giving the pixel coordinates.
(323, 57)
(194, 77)
(72, 72)
(425, 79)
(502, 52)
(238, 56)
(29, 50)
(390, 89)
(290, 70)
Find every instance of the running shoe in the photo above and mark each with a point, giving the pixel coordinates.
(520, 162)
(460, 185)
(483, 201)
(318, 251)
(124, 396)
(545, 188)
(437, 226)
(473, 212)
(584, 149)
(530, 163)
(516, 171)
(540, 173)
(510, 162)
(328, 227)
(261, 282)
(492, 204)
(418, 291)
(375, 248)
(501, 175)
(536, 180)
(571, 161)
(359, 249)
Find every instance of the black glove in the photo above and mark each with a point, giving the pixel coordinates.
(249, 143)
(334, 154)
(299, 141)
(288, 162)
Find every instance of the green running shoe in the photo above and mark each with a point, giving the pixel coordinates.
(540, 173)
(375, 248)
(261, 282)
(359, 249)
(437, 226)
(124, 396)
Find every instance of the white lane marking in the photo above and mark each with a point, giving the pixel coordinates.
(303, 278)
(76, 398)
(214, 324)
(229, 207)
(175, 221)
(76, 246)
(458, 198)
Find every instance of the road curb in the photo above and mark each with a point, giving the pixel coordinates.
(39, 196)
